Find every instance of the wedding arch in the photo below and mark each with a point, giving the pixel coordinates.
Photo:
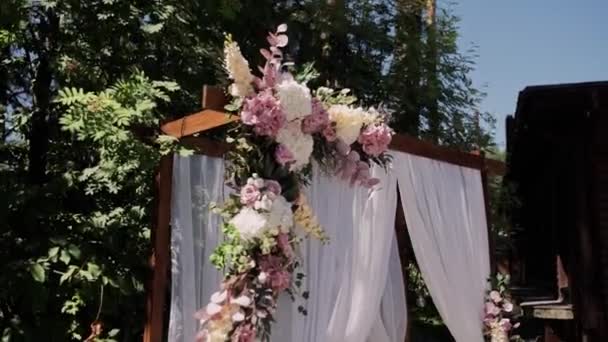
(434, 183)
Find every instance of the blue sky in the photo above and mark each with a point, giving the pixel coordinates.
(531, 42)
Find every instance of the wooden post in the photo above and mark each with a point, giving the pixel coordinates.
(161, 256)
(405, 246)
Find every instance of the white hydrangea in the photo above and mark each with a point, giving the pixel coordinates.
(280, 215)
(349, 121)
(299, 144)
(295, 99)
(249, 223)
(238, 70)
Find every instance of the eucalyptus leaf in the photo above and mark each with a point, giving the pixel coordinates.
(38, 273)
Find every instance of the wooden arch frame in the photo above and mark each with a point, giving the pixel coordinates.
(187, 128)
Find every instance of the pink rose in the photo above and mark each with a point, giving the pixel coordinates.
(492, 309)
(249, 194)
(375, 139)
(508, 307)
(495, 296)
(283, 155)
(273, 186)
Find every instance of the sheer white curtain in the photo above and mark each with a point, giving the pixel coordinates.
(197, 181)
(445, 214)
(355, 283)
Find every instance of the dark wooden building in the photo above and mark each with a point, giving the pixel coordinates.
(557, 144)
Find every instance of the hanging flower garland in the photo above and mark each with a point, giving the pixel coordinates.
(283, 126)
(500, 312)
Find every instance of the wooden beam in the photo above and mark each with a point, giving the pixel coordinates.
(197, 123)
(161, 256)
(411, 145)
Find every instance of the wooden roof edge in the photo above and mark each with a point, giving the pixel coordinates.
(401, 143)
(409, 144)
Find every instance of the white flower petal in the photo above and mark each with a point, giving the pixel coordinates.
(262, 277)
(213, 309)
(299, 144)
(295, 99)
(249, 223)
(238, 316)
(242, 301)
(349, 122)
(219, 297)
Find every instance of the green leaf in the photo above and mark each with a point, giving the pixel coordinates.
(53, 252)
(93, 269)
(74, 251)
(67, 274)
(37, 272)
(152, 28)
(65, 257)
(113, 332)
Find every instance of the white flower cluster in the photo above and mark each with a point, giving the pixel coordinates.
(349, 121)
(295, 99)
(273, 216)
(298, 143)
(238, 69)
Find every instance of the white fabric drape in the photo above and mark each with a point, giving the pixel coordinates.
(445, 214)
(355, 283)
(197, 181)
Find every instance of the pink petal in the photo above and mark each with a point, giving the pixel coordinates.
(266, 53)
(219, 297)
(282, 40)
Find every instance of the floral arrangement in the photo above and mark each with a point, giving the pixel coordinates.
(284, 126)
(500, 312)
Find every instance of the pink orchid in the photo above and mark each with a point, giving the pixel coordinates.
(283, 155)
(273, 186)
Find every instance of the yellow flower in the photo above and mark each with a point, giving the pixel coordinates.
(306, 220)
